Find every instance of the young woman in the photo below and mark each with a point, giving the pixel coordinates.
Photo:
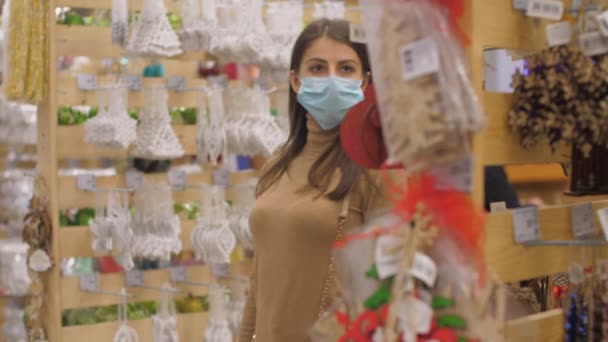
(310, 193)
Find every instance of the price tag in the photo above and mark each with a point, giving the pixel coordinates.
(592, 43)
(176, 82)
(545, 9)
(602, 215)
(498, 207)
(133, 82)
(414, 313)
(419, 58)
(134, 179)
(357, 33)
(526, 224)
(455, 175)
(178, 274)
(521, 5)
(220, 270)
(221, 177)
(87, 82)
(581, 216)
(134, 278)
(178, 178)
(89, 282)
(86, 182)
(559, 33)
(424, 269)
(386, 257)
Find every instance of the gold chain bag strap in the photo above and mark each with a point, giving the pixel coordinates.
(329, 283)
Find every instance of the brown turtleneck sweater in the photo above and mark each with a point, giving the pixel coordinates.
(293, 234)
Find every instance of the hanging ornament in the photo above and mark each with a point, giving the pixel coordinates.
(211, 129)
(124, 333)
(153, 35)
(112, 127)
(120, 22)
(155, 136)
(165, 321)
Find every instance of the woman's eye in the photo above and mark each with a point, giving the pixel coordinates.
(316, 68)
(348, 69)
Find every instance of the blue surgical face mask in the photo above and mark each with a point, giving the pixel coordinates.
(328, 99)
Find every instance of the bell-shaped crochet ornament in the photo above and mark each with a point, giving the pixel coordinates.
(156, 138)
(153, 34)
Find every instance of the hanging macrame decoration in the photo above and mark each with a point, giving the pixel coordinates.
(211, 126)
(165, 321)
(155, 136)
(153, 35)
(112, 127)
(120, 22)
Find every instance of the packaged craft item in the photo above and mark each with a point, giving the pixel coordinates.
(427, 104)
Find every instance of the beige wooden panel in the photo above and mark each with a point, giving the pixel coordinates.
(189, 326)
(76, 241)
(68, 93)
(514, 262)
(582, 199)
(501, 145)
(543, 327)
(71, 197)
(73, 297)
(70, 143)
(171, 5)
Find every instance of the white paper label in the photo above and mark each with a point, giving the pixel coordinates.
(178, 178)
(424, 268)
(132, 82)
(221, 177)
(89, 282)
(220, 270)
(520, 5)
(178, 274)
(86, 182)
(87, 82)
(498, 207)
(134, 179)
(420, 314)
(526, 224)
(559, 33)
(134, 278)
(545, 9)
(419, 58)
(602, 21)
(581, 216)
(456, 175)
(357, 33)
(602, 215)
(386, 258)
(592, 43)
(176, 82)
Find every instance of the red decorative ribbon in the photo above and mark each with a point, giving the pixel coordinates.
(359, 330)
(456, 8)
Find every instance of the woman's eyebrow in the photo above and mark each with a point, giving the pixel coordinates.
(349, 61)
(316, 59)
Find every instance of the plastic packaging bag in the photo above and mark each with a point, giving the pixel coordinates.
(427, 103)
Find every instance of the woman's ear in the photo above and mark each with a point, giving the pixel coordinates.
(367, 79)
(294, 81)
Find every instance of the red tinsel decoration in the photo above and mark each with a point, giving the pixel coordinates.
(453, 212)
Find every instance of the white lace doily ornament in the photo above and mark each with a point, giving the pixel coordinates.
(211, 126)
(14, 277)
(164, 323)
(153, 35)
(199, 21)
(239, 214)
(112, 127)
(156, 228)
(120, 22)
(155, 136)
(218, 327)
(124, 333)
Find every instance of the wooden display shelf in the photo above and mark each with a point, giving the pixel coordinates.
(501, 145)
(68, 93)
(513, 262)
(76, 241)
(543, 173)
(73, 297)
(71, 145)
(71, 197)
(190, 328)
(583, 199)
(543, 327)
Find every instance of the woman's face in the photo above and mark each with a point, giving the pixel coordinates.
(327, 57)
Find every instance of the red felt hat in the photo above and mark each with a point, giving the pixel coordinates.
(361, 133)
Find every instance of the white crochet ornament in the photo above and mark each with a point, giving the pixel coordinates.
(211, 126)
(218, 328)
(199, 20)
(112, 127)
(153, 35)
(124, 333)
(155, 136)
(120, 22)
(164, 323)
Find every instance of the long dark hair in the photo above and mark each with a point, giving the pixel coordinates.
(333, 158)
